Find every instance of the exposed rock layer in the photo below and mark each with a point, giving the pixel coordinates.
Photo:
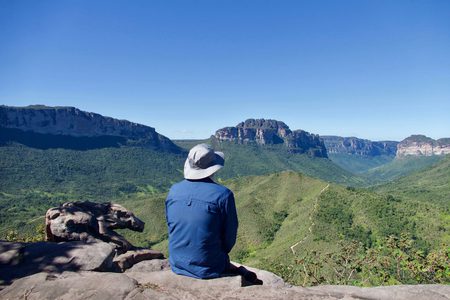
(420, 145)
(72, 122)
(357, 146)
(272, 132)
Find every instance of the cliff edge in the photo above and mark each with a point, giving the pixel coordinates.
(153, 279)
(63, 127)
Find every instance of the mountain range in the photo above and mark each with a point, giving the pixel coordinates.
(297, 193)
(56, 123)
(123, 155)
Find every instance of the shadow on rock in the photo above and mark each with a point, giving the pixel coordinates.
(22, 259)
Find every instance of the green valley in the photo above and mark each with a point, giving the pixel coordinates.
(252, 159)
(287, 218)
(33, 180)
(359, 164)
(430, 185)
(399, 167)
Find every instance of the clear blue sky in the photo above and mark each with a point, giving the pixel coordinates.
(372, 69)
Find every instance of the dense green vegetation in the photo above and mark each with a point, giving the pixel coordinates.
(394, 260)
(342, 216)
(362, 234)
(308, 230)
(33, 180)
(252, 159)
(358, 164)
(382, 169)
(280, 210)
(369, 238)
(399, 167)
(98, 173)
(430, 184)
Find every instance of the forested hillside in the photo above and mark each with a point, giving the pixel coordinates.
(399, 167)
(33, 180)
(289, 221)
(252, 159)
(432, 184)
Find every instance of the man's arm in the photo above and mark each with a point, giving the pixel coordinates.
(231, 224)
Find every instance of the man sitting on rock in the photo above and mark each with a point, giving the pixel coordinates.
(202, 220)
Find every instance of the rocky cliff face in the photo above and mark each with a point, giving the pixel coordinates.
(272, 132)
(70, 121)
(420, 145)
(356, 146)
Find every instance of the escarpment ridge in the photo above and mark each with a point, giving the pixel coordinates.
(273, 132)
(421, 145)
(66, 127)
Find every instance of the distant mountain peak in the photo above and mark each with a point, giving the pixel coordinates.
(272, 132)
(421, 145)
(263, 123)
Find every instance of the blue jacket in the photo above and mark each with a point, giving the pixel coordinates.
(202, 223)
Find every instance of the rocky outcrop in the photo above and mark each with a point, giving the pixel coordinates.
(357, 146)
(157, 281)
(19, 260)
(67, 123)
(420, 145)
(272, 132)
(260, 131)
(94, 222)
(80, 237)
(88, 221)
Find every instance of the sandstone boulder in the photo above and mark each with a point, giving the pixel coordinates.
(87, 221)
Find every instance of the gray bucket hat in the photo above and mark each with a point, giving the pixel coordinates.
(202, 162)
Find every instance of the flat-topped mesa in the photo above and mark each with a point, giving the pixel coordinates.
(357, 146)
(273, 132)
(70, 121)
(421, 145)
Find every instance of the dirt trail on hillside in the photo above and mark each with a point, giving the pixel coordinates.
(316, 203)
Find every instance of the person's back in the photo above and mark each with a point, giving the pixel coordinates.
(201, 218)
(202, 223)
